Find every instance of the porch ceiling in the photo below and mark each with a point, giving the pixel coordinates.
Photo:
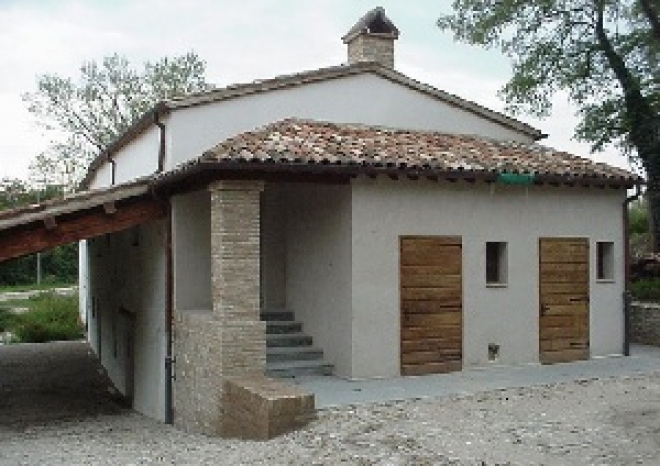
(80, 216)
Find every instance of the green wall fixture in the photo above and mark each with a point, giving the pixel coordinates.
(515, 178)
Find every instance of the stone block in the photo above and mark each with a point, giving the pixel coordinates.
(259, 408)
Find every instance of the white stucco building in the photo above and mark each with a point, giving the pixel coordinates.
(408, 231)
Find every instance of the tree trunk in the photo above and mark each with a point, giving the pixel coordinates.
(651, 12)
(652, 166)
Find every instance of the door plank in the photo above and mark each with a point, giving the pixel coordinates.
(563, 299)
(431, 304)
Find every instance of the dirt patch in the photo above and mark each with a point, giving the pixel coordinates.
(61, 413)
(43, 383)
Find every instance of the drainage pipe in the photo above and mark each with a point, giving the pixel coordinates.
(626, 292)
(161, 142)
(169, 283)
(169, 315)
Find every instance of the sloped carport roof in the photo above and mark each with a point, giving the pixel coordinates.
(76, 217)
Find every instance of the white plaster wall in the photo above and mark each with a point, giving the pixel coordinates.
(191, 247)
(383, 210)
(83, 282)
(102, 178)
(367, 99)
(139, 158)
(127, 270)
(318, 269)
(273, 247)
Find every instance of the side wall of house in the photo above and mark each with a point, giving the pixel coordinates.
(383, 210)
(273, 247)
(318, 279)
(139, 158)
(126, 312)
(191, 248)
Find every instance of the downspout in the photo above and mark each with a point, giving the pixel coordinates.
(113, 171)
(169, 315)
(626, 291)
(161, 147)
(169, 284)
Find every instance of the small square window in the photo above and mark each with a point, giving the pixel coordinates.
(605, 260)
(496, 263)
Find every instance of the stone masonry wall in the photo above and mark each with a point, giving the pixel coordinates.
(371, 48)
(229, 340)
(645, 323)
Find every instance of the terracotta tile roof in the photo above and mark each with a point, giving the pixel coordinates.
(294, 142)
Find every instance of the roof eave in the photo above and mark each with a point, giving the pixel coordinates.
(259, 168)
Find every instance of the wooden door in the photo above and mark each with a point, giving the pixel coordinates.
(564, 299)
(431, 304)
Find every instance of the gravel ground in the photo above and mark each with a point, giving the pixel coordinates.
(54, 421)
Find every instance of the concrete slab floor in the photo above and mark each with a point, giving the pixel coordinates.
(334, 391)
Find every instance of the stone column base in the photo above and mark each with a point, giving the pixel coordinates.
(259, 408)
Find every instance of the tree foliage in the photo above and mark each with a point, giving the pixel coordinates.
(88, 113)
(59, 265)
(603, 53)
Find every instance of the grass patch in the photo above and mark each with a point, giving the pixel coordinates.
(49, 318)
(647, 289)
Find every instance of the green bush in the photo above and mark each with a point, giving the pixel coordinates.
(7, 320)
(50, 318)
(638, 219)
(646, 289)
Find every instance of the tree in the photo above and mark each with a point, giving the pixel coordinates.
(603, 53)
(88, 114)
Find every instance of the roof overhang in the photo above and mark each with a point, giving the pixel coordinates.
(81, 216)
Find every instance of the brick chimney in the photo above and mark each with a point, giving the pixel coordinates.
(372, 39)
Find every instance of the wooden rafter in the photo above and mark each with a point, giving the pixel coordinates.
(51, 231)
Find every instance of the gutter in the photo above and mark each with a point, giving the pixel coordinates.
(627, 299)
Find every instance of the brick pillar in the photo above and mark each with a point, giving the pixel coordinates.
(230, 340)
(235, 249)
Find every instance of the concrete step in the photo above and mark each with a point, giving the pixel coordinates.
(293, 353)
(278, 327)
(292, 369)
(287, 339)
(276, 314)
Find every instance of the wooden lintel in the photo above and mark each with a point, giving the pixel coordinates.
(110, 208)
(84, 225)
(50, 223)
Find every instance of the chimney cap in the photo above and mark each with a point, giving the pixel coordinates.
(374, 22)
